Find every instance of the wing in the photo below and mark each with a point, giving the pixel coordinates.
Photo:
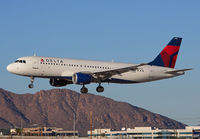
(177, 71)
(103, 75)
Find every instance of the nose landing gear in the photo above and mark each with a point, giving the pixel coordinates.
(31, 84)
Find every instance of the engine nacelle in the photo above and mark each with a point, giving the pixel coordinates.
(59, 82)
(81, 78)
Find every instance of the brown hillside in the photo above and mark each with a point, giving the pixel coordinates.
(56, 108)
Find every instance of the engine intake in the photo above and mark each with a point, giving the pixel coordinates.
(59, 82)
(81, 78)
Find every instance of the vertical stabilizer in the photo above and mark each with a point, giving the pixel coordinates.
(168, 56)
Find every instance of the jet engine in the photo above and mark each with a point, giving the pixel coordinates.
(59, 82)
(81, 78)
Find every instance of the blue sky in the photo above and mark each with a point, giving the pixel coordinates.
(132, 31)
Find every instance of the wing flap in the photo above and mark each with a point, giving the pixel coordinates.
(108, 73)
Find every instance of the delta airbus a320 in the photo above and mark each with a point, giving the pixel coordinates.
(63, 71)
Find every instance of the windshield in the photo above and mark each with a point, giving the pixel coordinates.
(20, 61)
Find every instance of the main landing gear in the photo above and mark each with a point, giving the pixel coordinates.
(84, 90)
(31, 84)
(99, 89)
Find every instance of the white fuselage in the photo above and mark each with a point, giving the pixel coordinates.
(50, 67)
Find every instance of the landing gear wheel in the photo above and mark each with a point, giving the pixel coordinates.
(100, 89)
(84, 90)
(30, 85)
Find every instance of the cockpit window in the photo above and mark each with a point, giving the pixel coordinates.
(20, 61)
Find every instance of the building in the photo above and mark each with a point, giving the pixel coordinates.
(148, 132)
(4, 132)
(45, 131)
(13, 131)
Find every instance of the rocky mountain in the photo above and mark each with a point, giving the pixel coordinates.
(57, 108)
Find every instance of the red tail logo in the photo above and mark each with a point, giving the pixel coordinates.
(168, 56)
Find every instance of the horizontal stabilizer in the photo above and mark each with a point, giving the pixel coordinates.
(177, 71)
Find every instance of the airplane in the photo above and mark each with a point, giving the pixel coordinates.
(63, 71)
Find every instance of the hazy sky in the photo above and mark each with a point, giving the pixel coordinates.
(132, 31)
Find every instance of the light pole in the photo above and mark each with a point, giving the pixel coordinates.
(21, 128)
(74, 124)
(90, 124)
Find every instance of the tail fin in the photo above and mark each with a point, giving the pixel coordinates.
(168, 56)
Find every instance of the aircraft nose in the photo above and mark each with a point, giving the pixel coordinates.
(10, 68)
